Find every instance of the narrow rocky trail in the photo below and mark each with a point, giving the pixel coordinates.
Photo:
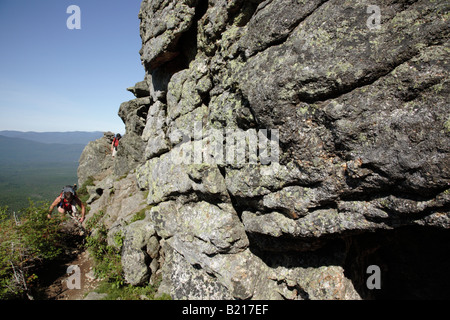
(72, 276)
(60, 288)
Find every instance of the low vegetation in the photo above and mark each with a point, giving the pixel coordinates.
(27, 243)
(108, 265)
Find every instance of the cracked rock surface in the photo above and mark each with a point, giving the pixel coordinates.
(362, 116)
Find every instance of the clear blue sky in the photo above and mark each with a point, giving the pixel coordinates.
(56, 79)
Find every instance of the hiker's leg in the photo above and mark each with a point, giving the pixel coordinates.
(62, 212)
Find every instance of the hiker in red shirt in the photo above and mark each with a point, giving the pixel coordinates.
(67, 202)
(115, 144)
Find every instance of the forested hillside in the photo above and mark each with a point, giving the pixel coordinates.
(21, 151)
(34, 170)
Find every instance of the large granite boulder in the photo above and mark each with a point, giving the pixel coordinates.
(340, 109)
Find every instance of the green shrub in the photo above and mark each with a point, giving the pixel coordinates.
(26, 243)
(107, 259)
(128, 292)
(138, 216)
(82, 192)
(108, 265)
(93, 222)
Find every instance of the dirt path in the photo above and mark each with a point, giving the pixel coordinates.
(57, 278)
(57, 281)
(58, 289)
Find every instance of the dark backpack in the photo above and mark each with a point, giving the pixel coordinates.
(116, 140)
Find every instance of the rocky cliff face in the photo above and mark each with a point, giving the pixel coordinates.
(279, 148)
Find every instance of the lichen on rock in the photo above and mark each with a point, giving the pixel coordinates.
(362, 117)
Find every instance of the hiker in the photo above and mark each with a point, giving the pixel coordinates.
(115, 144)
(67, 202)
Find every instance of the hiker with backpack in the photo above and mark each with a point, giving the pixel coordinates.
(115, 144)
(67, 202)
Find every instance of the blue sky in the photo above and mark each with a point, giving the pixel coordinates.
(56, 79)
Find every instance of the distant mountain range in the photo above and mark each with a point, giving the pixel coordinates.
(43, 147)
(20, 151)
(74, 137)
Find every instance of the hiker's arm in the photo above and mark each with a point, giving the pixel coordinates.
(54, 204)
(83, 208)
(83, 211)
